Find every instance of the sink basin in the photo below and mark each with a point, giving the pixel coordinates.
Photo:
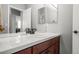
(24, 39)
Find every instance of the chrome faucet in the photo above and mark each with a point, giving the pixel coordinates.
(30, 30)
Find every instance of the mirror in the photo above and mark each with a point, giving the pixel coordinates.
(18, 17)
(47, 14)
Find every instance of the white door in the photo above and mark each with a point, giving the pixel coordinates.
(75, 46)
(26, 19)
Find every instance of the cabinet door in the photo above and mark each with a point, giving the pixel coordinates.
(48, 47)
(51, 50)
(54, 49)
(24, 51)
(41, 47)
(55, 40)
(44, 52)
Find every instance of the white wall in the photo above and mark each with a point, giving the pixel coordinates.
(65, 18)
(21, 6)
(64, 25)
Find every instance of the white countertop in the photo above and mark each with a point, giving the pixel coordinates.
(21, 41)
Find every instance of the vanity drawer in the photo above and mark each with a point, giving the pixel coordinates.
(41, 47)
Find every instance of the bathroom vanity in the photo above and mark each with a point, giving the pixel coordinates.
(41, 43)
(14, 39)
(50, 46)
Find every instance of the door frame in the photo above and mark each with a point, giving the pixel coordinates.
(9, 11)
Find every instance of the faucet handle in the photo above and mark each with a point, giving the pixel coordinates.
(34, 29)
(27, 30)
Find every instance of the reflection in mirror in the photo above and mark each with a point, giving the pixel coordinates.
(15, 21)
(41, 15)
(51, 13)
(47, 14)
(18, 17)
(1, 25)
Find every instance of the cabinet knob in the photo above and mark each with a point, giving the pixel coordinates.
(76, 32)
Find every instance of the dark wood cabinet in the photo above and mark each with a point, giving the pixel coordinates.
(55, 47)
(51, 46)
(37, 49)
(24, 51)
